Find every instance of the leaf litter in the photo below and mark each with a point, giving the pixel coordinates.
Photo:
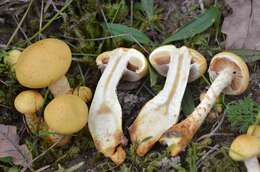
(9, 146)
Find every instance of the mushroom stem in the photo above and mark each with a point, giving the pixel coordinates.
(61, 86)
(105, 113)
(180, 134)
(161, 112)
(33, 122)
(252, 165)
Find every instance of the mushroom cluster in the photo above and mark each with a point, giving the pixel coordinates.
(44, 64)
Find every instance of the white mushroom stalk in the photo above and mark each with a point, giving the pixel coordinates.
(105, 115)
(161, 112)
(231, 76)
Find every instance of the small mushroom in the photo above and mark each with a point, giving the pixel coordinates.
(231, 76)
(161, 112)
(105, 115)
(246, 148)
(12, 57)
(84, 93)
(28, 103)
(254, 130)
(64, 110)
(44, 64)
(160, 59)
(65, 114)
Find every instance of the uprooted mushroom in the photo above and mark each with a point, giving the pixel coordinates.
(230, 75)
(105, 115)
(246, 147)
(44, 64)
(161, 112)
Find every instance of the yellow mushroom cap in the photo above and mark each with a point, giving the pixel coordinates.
(254, 130)
(12, 57)
(84, 93)
(240, 71)
(160, 59)
(28, 102)
(244, 147)
(42, 63)
(66, 114)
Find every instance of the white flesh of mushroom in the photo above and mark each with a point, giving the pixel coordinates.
(252, 164)
(61, 86)
(161, 112)
(105, 115)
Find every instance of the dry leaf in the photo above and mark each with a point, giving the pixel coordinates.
(9, 146)
(243, 25)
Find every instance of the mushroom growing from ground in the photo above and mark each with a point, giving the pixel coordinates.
(105, 115)
(44, 64)
(28, 103)
(84, 93)
(230, 75)
(12, 57)
(64, 115)
(246, 148)
(161, 112)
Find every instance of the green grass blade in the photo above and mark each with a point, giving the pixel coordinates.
(147, 7)
(129, 33)
(198, 25)
(187, 102)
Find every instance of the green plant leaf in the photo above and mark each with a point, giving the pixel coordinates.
(198, 25)
(187, 102)
(242, 113)
(147, 7)
(153, 76)
(6, 159)
(131, 34)
(247, 54)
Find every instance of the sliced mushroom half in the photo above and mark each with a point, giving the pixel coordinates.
(105, 115)
(161, 112)
(160, 59)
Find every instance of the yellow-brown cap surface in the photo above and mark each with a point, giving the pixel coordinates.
(42, 63)
(84, 93)
(66, 114)
(254, 130)
(28, 102)
(244, 147)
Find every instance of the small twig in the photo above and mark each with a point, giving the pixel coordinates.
(214, 130)
(201, 5)
(214, 148)
(43, 153)
(20, 28)
(43, 168)
(19, 25)
(41, 16)
(131, 12)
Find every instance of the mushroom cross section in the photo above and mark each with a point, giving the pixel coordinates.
(161, 112)
(44, 64)
(105, 115)
(160, 59)
(230, 75)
